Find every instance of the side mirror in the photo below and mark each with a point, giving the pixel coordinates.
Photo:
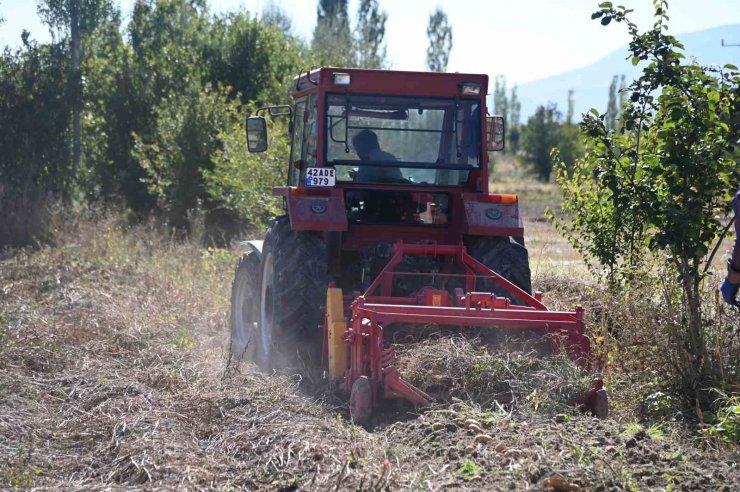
(495, 132)
(256, 134)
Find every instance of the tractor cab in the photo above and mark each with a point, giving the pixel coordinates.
(388, 148)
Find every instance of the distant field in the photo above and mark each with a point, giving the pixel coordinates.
(548, 250)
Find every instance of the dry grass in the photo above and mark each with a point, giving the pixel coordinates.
(113, 374)
(492, 377)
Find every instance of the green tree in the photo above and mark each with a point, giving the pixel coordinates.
(661, 184)
(168, 39)
(514, 123)
(612, 111)
(76, 19)
(253, 57)
(34, 141)
(569, 147)
(370, 35)
(274, 15)
(332, 37)
(500, 102)
(439, 33)
(186, 137)
(540, 135)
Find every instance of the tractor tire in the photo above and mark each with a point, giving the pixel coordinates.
(505, 256)
(293, 282)
(508, 257)
(245, 308)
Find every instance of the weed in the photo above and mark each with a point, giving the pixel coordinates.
(468, 470)
(726, 424)
(19, 476)
(182, 340)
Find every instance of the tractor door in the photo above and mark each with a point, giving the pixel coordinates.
(305, 136)
(296, 147)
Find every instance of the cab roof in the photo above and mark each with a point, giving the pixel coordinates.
(394, 82)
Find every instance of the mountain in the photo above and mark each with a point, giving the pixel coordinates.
(591, 83)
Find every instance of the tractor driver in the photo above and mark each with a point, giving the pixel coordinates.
(368, 149)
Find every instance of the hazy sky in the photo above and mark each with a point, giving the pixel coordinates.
(522, 39)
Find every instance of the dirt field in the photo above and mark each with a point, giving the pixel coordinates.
(113, 373)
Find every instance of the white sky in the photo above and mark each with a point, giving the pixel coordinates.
(522, 39)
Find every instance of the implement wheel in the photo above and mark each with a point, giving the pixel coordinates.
(361, 401)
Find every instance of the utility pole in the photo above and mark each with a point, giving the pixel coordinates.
(727, 45)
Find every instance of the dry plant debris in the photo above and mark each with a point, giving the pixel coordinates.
(112, 376)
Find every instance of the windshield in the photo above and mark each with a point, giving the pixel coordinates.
(398, 139)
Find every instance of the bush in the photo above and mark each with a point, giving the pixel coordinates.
(198, 160)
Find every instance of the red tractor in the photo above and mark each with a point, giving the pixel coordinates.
(389, 224)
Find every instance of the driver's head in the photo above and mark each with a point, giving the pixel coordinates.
(365, 142)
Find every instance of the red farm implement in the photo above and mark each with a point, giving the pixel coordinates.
(355, 352)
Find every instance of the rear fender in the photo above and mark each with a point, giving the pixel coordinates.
(254, 246)
(491, 219)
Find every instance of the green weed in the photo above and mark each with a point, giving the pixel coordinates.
(468, 470)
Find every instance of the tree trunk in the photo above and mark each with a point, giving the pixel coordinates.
(695, 343)
(76, 85)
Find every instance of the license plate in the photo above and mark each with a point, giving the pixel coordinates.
(320, 176)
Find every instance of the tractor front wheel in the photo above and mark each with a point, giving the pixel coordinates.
(245, 308)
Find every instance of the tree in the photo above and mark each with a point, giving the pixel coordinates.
(540, 136)
(370, 35)
(253, 57)
(515, 111)
(77, 19)
(439, 33)
(660, 185)
(569, 146)
(34, 117)
(612, 111)
(500, 103)
(274, 15)
(332, 39)
(571, 108)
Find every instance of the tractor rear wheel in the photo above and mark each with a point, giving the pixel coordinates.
(276, 300)
(505, 256)
(292, 289)
(508, 257)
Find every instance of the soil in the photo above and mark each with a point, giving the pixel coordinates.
(114, 374)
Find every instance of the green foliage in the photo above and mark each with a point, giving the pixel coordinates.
(468, 469)
(500, 102)
(540, 135)
(661, 182)
(240, 182)
(439, 32)
(514, 122)
(254, 58)
(186, 136)
(612, 110)
(34, 144)
(370, 35)
(726, 421)
(332, 38)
